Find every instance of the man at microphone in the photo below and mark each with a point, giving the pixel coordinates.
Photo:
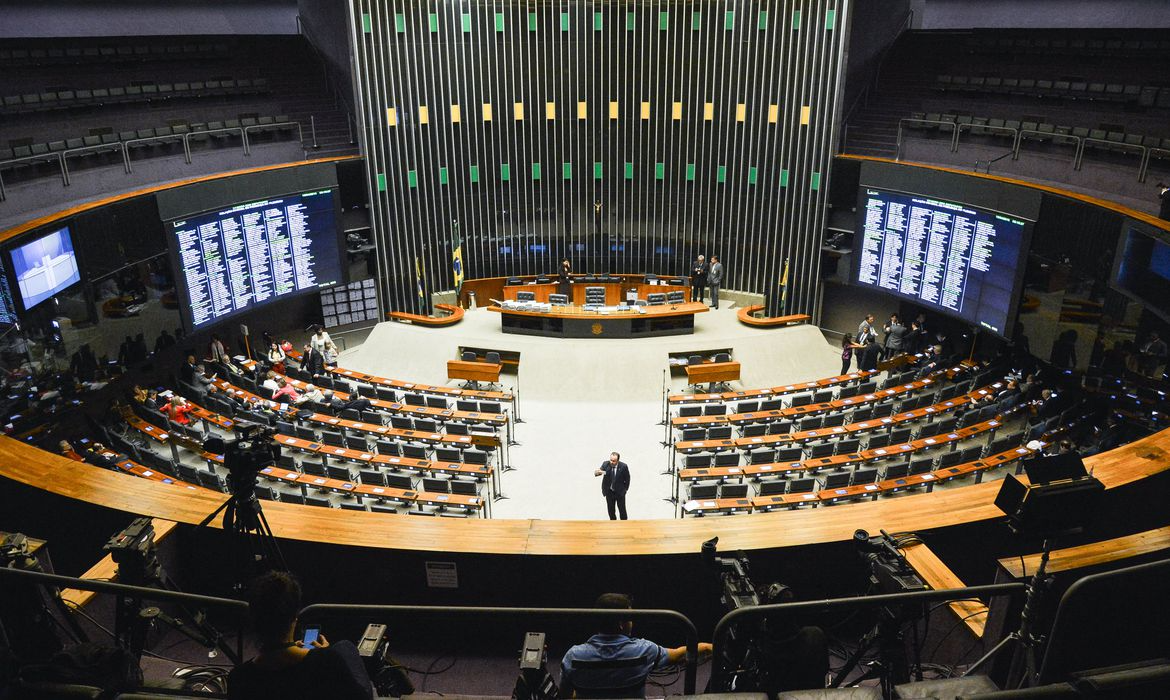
(614, 484)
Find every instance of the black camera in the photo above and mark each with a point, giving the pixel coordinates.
(245, 457)
(738, 591)
(133, 551)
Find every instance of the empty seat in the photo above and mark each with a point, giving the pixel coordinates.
(702, 491)
(837, 480)
(805, 485)
(773, 488)
(733, 491)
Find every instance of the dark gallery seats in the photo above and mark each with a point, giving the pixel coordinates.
(114, 101)
(1101, 94)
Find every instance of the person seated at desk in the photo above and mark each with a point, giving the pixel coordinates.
(270, 382)
(285, 668)
(285, 393)
(178, 409)
(66, 450)
(311, 393)
(612, 664)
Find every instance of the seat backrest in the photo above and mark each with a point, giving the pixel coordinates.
(733, 491)
(704, 490)
(467, 356)
(773, 488)
(493, 357)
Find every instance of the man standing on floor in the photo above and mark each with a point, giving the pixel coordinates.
(699, 270)
(614, 484)
(865, 329)
(715, 280)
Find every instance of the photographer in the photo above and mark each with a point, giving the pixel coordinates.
(285, 668)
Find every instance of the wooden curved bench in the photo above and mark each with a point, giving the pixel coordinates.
(746, 315)
(454, 315)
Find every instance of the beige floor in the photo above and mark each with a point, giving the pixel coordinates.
(580, 399)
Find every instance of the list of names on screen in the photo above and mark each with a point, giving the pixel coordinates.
(953, 257)
(257, 252)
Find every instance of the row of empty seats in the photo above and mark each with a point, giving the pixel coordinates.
(1112, 138)
(18, 56)
(130, 94)
(1140, 95)
(145, 140)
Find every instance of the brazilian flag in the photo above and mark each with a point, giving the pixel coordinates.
(457, 256)
(418, 278)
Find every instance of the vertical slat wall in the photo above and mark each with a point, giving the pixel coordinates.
(627, 136)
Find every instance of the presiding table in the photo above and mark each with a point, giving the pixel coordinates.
(610, 322)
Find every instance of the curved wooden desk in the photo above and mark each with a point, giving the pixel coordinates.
(576, 322)
(746, 315)
(454, 315)
(919, 512)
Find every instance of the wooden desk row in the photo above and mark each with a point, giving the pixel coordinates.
(377, 430)
(815, 408)
(843, 431)
(391, 462)
(852, 429)
(748, 394)
(414, 386)
(442, 414)
(816, 464)
(329, 484)
(871, 491)
(371, 490)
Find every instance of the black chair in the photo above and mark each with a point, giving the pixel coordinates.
(896, 470)
(773, 488)
(806, 485)
(399, 481)
(690, 411)
(733, 491)
(697, 491)
(699, 461)
(727, 459)
(837, 480)
(865, 476)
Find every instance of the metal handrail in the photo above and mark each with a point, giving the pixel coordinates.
(122, 589)
(1143, 150)
(115, 146)
(147, 139)
(1050, 134)
(1007, 129)
(905, 120)
(676, 618)
(258, 127)
(734, 617)
(45, 157)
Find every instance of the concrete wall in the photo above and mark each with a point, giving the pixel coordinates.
(1043, 14)
(89, 18)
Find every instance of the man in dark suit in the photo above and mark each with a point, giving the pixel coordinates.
(699, 270)
(614, 484)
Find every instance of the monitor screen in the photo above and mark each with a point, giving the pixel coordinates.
(1141, 269)
(44, 266)
(955, 258)
(235, 259)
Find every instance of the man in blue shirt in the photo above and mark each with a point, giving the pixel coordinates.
(612, 664)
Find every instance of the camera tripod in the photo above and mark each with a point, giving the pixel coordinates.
(892, 666)
(254, 547)
(1024, 667)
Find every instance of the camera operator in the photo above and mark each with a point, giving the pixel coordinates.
(285, 669)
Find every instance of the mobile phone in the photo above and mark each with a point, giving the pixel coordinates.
(311, 635)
